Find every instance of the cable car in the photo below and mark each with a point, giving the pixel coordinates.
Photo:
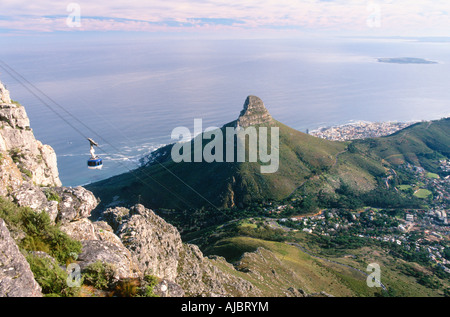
(94, 162)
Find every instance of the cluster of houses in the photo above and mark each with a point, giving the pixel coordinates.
(444, 165)
(433, 223)
(438, 215)
(439, 185)
(359, 130)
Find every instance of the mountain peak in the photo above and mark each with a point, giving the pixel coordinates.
(254, 112)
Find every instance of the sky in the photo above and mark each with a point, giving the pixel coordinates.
(229, 17)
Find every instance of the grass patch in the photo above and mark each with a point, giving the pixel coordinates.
(404, 187)
(245, 224)
(422, 193)
(232, 249)
(16, 155)
(432, 175)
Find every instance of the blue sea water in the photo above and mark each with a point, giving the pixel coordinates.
(129, 93)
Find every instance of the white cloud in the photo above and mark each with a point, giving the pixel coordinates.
(397, 16)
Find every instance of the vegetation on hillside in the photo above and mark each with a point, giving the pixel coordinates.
(36, 234)
(49, 250)
(337, 173)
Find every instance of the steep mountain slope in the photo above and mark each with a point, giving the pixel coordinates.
(161, 182)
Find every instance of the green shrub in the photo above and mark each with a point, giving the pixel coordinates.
(63, 248)
(147, 290)
(51, 277)
(26, 172)
(51, 195)
(10, 213)
(43, 236)
(99, 275)
(16, 103)
(40, 233)
(16, 155)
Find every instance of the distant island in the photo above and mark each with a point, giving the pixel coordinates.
(405, 60)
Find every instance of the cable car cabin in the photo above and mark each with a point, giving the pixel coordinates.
(95, 164)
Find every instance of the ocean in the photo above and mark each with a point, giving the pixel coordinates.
(129, 93)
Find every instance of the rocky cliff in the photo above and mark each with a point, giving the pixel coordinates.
(159, 250)
(134, 241)
(36, 162)
(253, 113)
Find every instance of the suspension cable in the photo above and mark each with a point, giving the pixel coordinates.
(14, 74)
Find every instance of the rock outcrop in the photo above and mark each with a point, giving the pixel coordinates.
(4, 94)
(16, 278)
(11, 178)
(154, 242)
(99, 243)
(36, 162)
(201, 276)
(30, 195)
(75, 203)
(167, 288)
(159, 251)
(253, 113)
(112, 253)
(63, 204)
